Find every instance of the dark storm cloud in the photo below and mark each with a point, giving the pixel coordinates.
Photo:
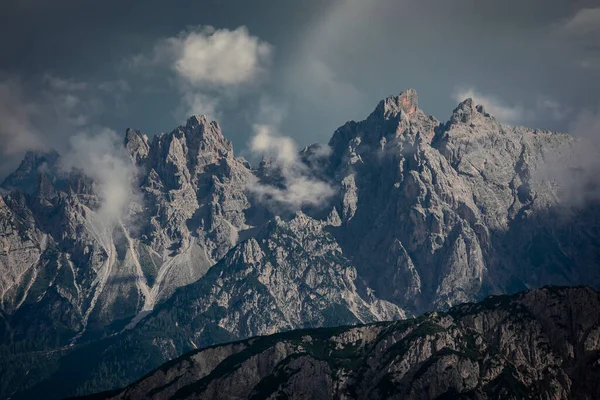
(533, 63)
(504, 50)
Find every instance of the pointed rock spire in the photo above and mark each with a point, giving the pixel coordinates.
(406, 103)
(466, 111)
(206, 137)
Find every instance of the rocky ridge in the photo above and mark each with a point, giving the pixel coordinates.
(539, 344)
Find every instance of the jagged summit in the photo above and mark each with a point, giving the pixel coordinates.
(25, 177)
(466, 111)
(396, 116)
(206, 136)
(204, 127)
(406, 104)
(136, 144)
(198, 119)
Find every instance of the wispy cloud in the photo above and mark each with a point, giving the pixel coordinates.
(514, 114)
(17, 133)
(314, 73)
(298, 186)
(99, 153)
(46, 113)
(576, 169)
(62, 84)
(496, 107)
(59, 117)
(194, 102)
(115, 86)
(582, 32)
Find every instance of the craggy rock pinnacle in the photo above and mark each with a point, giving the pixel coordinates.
(405, 104)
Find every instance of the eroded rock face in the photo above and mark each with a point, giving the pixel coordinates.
(437, 214)
(290, 275)
(537, 344)
(187, 208)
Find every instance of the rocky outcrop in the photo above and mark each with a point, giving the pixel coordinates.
(538, 344)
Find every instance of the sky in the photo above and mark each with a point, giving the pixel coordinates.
(74, 71)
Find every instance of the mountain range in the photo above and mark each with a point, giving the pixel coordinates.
(419, 216)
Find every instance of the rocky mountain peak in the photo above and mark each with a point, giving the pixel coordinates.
(467, 111)
(406, 104)
(199, 124)
(395, 119)
(426, 215)
(197, 120)
(206, 136)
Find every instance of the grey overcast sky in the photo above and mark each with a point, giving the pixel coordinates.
(304, 67)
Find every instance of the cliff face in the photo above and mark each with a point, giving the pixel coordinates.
(437, 214)
(539, 344)
(61, 259)
(425, 215)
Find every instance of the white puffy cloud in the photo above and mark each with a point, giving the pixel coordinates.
(219, 57)
(280, 149)
(300, 191)
(209, 64)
